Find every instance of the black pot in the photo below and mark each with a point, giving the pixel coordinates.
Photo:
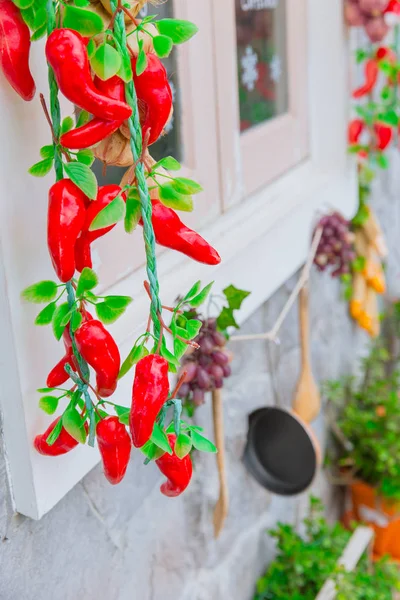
(280, 452)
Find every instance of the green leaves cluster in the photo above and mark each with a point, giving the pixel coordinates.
(235, 299)
(174, 192)
(190, 436)
(304, 562)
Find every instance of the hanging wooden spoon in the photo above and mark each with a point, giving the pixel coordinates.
(221, 508)
(307, 400)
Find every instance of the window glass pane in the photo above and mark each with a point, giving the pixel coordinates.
(262, 61)
(170, 143)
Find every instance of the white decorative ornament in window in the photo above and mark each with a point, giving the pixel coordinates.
(275, 68)
(258, 4)
(249, 69)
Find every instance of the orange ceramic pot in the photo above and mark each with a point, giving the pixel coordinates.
(382, 515)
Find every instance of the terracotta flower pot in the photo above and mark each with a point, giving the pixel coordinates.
(381, 514)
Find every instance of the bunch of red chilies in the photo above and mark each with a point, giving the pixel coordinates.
(70, 215)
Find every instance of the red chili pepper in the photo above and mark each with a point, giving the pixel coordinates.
(355, 129)
(371, 77)
(67, 55)
(149, 394)
(385, 53)
(172, 233)
(66, 216)
(58, 375)
(178, 471)
(15, 44)
(105, 196)
(115, 448)
(154, 94)
(99, 350)
(384, 135)
(97, 129)
(63, 444)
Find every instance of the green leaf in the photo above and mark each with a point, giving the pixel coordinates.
(84, 116)
(118, 301)
(136, 354)
(201, 297)
(183, 445)
(47, 151)
(186, 186)
(173, 363)
(179, 348)
(48, 404)
(82, 3)
(43, 291)
(169, 163)
(235, 296)
(123, 413)
(66, 125)
(201, 443)
(109, 215)
(125, 71)
(88, 23)
(390, 117)
(171, 198)
(39, 33)
(45, 316)
(58, 317)
(178, 30)
(159, 437)
(226, 319)
(86, 157)
(162, 45)
(66, 319)
(87, 281)
(132, 214)
(359, 264)
(74, 424)
(106, 61)
(83, 177)
(52, 437)
(45, 390)
(141, 62)
(76, 320)
(194, 290)
(152, 451)
(41, 168)
(23, 3)
(107, 314)
(382, 161)
(193, 327)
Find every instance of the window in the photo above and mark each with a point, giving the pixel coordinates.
(260, 121)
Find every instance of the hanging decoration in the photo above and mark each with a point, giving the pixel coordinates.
(106, 61)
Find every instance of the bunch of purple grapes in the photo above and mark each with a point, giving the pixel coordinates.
(369, 14)
(207, 367)
(336, 247)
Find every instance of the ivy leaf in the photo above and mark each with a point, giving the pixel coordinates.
(178, 30)
(43, 291)
(235, 296)
(66, 125)
(52, 437)
(41, 168)
(83, 177)
(74, 424)
(86, 157)
(226, 319)
(48, 404)
(162, 45)
(88, 23)
(202, 296)
(201, 443)
(87, 281)
(58, 318)
(159, 437)
(183, 445)
(136, 354)
(169, 163)
(106, 61)
(47, 151)
(132, 213)
(141, 62)
(186, 186)
(109, 215)
(45, 316)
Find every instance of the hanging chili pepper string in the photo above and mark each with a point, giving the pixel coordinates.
(136, 143)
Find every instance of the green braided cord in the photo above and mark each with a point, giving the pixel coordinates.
(145, 201)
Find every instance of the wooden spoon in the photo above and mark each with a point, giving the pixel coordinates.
(221, 508)
(307, 400)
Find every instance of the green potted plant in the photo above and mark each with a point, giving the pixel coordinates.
(305, 565)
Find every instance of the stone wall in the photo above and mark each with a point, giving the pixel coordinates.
(131, 543)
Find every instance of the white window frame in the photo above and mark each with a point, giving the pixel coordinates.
(262, 241)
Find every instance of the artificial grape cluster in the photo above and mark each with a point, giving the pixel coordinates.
(207, 367)
(369, 14)
(336, 247)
